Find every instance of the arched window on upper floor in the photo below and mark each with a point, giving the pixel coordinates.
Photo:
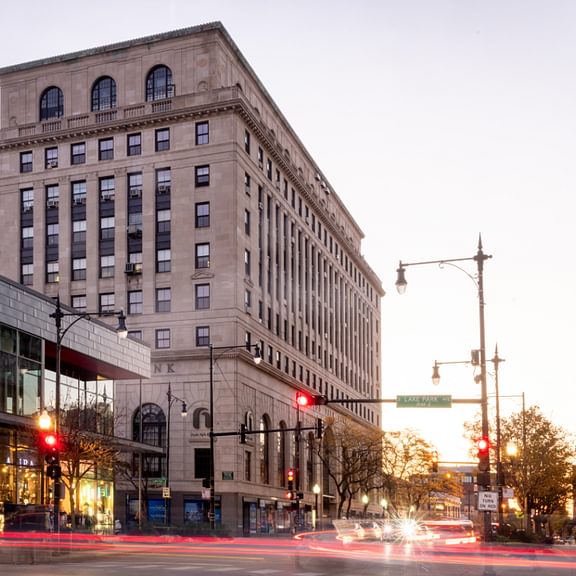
(51, 103)
(159, 84)
(153, 432)
(104, 94)
(264, 450)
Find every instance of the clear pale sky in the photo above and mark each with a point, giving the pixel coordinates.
(434, 121)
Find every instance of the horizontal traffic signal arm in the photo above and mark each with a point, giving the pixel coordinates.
(269, 431)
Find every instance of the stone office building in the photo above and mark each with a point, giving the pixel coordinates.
(158, 175)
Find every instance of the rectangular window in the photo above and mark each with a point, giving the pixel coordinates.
(78, 193)
(247, 141)
(202, 336)
(201, 463)
(78, 231)
(163, 221)
(51, 158)
(107, 266)
(202, 296)
(162, 139)
(27, 274)
(106, 149)
(163, 181)
(203, 215)
(28, 237)
(107, 188)
(201, 133)
(163, 299)
(247, 222)
(25, 162)
(79, 269)
(163, 260)
(52, 272)
(52, 196)
(202, 176)
(247, 264)
(247, 182)
(260, 158)
(203, 255)
(52, 231)
(162, 338)
(78, 153)
(135, 300)
(134, 144)
(248, 466)
(135, 334)
(135, 185)
(269, 169)
(107, 303)
(79, 303)
(27, 200)
(107, 228)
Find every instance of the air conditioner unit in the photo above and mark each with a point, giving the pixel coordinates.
(163, 188)
(80, 201)
(135, 192)
(260, 205)
(134, 230)
(52, 203)
(130, 268)
(27, 207)
(107, 196)
(52, 164)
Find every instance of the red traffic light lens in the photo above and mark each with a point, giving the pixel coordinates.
(51, 441)
(483, 445)
(302, 400)
(290, 475)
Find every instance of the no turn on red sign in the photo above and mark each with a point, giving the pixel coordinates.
(488, 501)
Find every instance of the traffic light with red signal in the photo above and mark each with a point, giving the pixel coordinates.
(50, 445)
(303, 400)
(483, 445)
(290, 477)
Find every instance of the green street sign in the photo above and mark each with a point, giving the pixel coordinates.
(424, 401)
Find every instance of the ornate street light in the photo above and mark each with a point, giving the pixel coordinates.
(479, 258)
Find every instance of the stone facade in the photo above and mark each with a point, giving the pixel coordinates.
(224, 231)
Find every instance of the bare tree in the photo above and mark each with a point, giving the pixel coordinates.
(352, 457)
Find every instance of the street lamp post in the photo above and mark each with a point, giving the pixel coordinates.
(184, 412)
(479, 258)
(384, 504)
(257, 360)
(316, 490)
(58, 315)
(499, 476)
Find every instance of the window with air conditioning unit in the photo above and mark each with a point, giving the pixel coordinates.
(80, 200)
(52, 203)
(133, 268)
(52, 164)
(260, 205)
(107, 196)
(135, 192)
(163, 188)
(134, 230)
